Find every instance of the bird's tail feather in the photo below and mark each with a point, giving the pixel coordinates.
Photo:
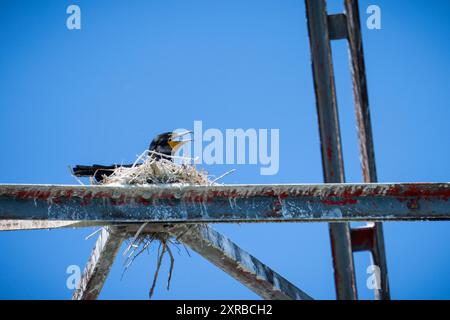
(96, 170)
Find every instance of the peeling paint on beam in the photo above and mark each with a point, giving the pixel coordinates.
(232, 203)
(236, 262)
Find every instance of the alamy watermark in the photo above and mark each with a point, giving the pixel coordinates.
(235, 146)
(74, 277)
(374, 280)
(374, 20)
(73, 21)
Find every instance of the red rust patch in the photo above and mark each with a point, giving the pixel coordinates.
(86, 199)
(143, 201)
(33, 194)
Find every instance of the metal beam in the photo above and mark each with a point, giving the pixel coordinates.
(330, 138)
(365, 137)
(99, 263)
(231, 203)
(236, 262)
(337, 26)
(363, 238)
(18, 225)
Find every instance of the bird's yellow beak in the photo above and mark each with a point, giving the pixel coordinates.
(175, 145)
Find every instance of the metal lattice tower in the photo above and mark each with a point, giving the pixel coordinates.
(179, 210)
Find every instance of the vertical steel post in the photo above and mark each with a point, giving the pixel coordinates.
(366, 146)
(330, 138)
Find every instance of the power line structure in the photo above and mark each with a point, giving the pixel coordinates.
(185, 212)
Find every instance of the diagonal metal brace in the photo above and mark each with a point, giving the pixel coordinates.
(237, 262)
(99, 263)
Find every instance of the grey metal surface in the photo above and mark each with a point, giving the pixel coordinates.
(237, 262)
(22, 225)
(365, 136)
(330, 139)
(99, 263)
(361, 97)
(230, 203)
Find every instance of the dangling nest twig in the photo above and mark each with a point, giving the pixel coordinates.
(141, 243)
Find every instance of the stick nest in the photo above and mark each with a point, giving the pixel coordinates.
(146, 170)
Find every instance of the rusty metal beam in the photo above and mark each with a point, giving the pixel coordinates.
(18, 225)
(330, 138)
(231, 203)
(99, 263)
(361, 96)
(236, 262)
(365, 136)
(363, 238)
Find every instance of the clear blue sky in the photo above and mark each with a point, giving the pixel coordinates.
(138, 68)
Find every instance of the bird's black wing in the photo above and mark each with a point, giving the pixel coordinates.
(97, 171)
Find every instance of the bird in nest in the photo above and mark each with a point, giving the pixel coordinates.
(163, 146)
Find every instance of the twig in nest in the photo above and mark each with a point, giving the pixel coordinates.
(94, 233)
(135, 237)
(141, 243)
(158, 266)
(147, 170)
(133, 256)
(223, 175)
(172, 263)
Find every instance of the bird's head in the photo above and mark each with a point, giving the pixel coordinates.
(167, 144)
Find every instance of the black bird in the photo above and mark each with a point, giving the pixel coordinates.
(164, 145)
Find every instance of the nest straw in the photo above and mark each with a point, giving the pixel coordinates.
(147, 170)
